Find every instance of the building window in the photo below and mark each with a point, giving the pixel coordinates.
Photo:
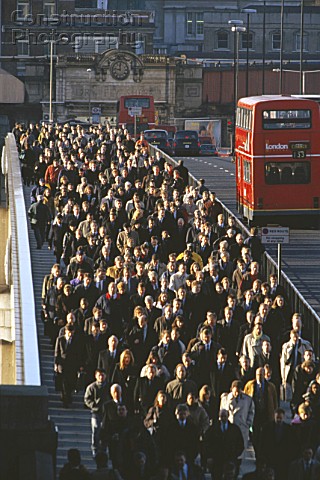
(194, 23)
(139, 46)
(95, 44)
(276, 41)
(189, 23)
(298, 42)
(23, 48)
(199, 23)
(244, 39)
(160, 51)
(223, 40)
(49, 9)
(86, 4)
(23, 9)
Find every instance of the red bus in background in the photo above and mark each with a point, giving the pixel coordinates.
(143, 102)
(277, 148)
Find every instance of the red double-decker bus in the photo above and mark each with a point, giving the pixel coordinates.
(277, 147)
(128, 104)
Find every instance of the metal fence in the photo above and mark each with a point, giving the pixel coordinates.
(268, 266)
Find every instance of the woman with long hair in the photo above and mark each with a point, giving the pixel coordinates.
(205, 400)
(125, 374)
(158, 421)
(278, 322)
(162, 301)
(195, 267)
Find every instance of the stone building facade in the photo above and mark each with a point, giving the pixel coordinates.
(81, 31)
(175, 86)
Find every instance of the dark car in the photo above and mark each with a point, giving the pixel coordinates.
(158, 138)
(186, 143)
(207, 149)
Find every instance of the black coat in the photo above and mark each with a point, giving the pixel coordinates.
(55, 237)
(93, 347)
(300, 382)
(145, 393)
(225, 446)
(110, 419)
(204, 361)
(184, 439)
(220, 382)
(170, 356)
(126, 378)
(107, 362)
(229, 337)
(276, 446)
(91, 294)
(39, 214)
(139, 346)
(195, 311)
(68, 360)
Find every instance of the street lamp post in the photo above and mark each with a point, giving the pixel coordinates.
(236, 29)
(301, 44)
(304, 72)
(281, 46)
(51, 82)
(248, 11)
(89, 72)
(263, 45)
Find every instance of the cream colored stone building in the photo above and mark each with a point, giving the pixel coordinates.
(86, 82)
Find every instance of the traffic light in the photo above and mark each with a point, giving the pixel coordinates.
(230, 126)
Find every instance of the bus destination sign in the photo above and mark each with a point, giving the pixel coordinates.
(299, 149)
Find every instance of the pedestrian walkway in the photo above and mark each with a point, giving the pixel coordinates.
(73, 424)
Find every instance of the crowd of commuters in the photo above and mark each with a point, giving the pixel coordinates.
(155, 306)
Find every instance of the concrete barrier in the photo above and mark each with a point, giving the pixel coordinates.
(24, 330)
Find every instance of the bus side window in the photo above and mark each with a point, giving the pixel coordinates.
(300, 175)
(273, 176)
(286, 175)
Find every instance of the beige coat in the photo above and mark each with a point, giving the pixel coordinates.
(241, 412)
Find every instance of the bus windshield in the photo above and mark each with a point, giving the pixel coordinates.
(137, 102)
(286, 119)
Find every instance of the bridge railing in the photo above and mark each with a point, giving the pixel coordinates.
(19, 273)
(297, 302)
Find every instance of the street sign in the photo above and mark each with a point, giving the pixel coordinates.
(135, 111)
(96, 110)
(95, 118)
(275, 235)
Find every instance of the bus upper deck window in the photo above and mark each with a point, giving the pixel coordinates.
(286, 119)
